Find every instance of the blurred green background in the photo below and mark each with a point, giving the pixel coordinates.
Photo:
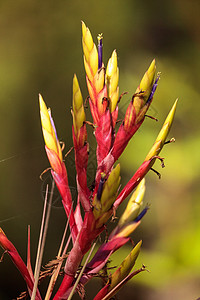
(40, 49)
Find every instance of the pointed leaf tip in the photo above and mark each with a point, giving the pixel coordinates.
(125, 267)
(148, 78)
(49, 132)
(161, 138)
(84, 29)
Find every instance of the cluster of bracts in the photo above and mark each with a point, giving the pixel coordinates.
(100, 203)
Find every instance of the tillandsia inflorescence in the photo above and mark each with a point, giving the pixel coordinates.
(87, 218)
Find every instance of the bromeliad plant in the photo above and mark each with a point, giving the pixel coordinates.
(89, 216)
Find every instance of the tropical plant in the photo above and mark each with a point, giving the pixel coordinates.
(95, 205)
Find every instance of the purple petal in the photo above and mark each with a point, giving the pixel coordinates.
(100, 50)
(154, 87)
(141, 215)
(100, 188)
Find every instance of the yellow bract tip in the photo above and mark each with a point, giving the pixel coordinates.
(148, 78)
(78, 109)
(112, 64)
(112, 79)
(84, 29)
(90, 52)
(161, 138)
(49, 131)
(125, 267)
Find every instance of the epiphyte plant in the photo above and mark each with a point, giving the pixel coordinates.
(90, 215)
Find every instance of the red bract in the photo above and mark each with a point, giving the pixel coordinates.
(17, 260)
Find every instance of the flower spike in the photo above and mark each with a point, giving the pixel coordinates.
(54, 151)
(95, 76)
(150, 158)
(100, 203)
(120, 274)
(89, 213)
(136, 111)
(162, 136)
(90, 53)
(59, 171)
(125, 267)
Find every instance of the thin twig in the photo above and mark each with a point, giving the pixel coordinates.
(41, 230)
(28, 262)
(57, 270)
(46, 223)
(81, 273)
